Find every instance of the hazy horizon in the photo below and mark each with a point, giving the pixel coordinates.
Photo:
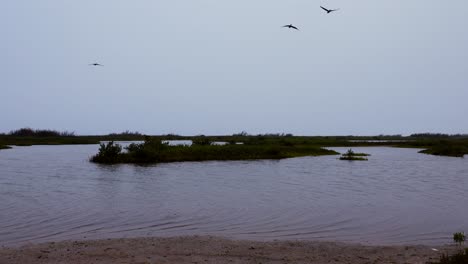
(234, 133)
(218, 68)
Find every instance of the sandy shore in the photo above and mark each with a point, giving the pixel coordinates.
(205, 249)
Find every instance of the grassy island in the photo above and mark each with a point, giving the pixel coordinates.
(351, 155)
(154, 151)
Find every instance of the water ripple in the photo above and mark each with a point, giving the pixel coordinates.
(398, 196)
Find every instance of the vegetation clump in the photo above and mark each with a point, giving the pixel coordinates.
(4, 147)
(351, 155)
(460, 258)
(108, 153)
(153, 150)
(459, 238)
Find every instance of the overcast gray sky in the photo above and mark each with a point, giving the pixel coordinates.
(220, 67)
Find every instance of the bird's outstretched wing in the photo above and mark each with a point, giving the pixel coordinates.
(324, 8)
(294, 27)
(333, 10)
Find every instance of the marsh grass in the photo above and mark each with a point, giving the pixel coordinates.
(154, 151)
(447, 148)
(29, 141)
(434, 144)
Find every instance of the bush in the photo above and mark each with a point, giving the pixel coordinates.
(108, 153)
(459, 238)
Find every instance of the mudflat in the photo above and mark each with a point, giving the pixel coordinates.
(207, 249)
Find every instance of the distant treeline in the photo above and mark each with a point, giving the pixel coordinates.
(126, 133)
(245, 134)
(29, 136)
(29, 132)
(438, 135)
(433, 143)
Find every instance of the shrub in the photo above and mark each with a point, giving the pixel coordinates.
(349, 153)
(459, 238)
(108, 153)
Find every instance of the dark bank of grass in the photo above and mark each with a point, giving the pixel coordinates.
(29, 137)
(451, 149)
(352, 158)
(434, 144)
(153, 151)
(439, 144)
(4, 147)
(460, 258)
(29, 141)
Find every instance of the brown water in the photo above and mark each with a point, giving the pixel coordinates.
(50, 193)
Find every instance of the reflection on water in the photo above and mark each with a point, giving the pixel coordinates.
(398, 196)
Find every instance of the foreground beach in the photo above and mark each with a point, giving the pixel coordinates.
(206, 249)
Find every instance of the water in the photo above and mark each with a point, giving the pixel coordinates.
(50, 193)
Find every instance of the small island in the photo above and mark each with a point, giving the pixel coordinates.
(351, 155)
(153, 150)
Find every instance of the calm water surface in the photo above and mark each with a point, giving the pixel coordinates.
(50, 193)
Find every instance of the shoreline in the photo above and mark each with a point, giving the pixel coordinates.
(210, 249)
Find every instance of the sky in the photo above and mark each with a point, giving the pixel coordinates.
(218, 67)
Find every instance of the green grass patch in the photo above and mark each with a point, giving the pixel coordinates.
(351, 155)
(153, 151)
(4, 147)
(352, 158)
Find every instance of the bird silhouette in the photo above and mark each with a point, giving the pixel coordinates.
(95, 64)
(291, 26)
(329, 10)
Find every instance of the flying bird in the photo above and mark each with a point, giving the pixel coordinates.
(95, 64)
(291, 26)
(329, 10)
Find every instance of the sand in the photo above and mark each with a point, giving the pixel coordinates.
(207, 249)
